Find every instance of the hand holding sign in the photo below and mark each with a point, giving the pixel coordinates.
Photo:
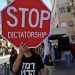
(23, 48)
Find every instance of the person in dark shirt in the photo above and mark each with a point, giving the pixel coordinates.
(13, 56)
(28, 62)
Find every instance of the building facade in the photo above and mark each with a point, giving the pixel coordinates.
(72, 5)
(62, 21)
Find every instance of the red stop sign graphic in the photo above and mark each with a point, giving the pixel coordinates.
(27, 21)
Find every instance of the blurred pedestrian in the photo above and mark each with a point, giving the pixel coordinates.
(52, 52)
(48, 64)
(13, 56)
(42, 51)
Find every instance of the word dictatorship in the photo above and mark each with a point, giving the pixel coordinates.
(27, 34)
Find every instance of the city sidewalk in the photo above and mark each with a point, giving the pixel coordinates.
(60, 69)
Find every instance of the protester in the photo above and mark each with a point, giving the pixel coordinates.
(46, 47)
(68, 58)
(13, 56)
(52, 52)
(48, 64)
(28, 62)
(42, 51)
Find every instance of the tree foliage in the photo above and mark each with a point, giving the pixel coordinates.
(8, 1)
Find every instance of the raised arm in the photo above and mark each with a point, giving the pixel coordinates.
(17, 63)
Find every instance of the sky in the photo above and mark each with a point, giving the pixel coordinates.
(3, 3)
(48, 3)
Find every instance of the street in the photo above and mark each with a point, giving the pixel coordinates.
(60, 69)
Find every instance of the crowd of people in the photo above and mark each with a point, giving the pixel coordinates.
(28, 62)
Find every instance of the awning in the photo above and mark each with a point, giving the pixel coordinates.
(56, 36)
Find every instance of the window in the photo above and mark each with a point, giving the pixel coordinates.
(57, 26)
(71, 23)
(69, 9)
(74, 11)
(63, 24)
(73, 37)
(62, 10)
(53, 19)
(55, 14)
